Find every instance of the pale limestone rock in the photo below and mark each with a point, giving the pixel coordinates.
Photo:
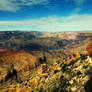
(74, 89)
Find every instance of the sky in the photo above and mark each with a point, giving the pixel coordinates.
(46, 15)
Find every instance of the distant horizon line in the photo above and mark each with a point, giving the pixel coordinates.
(42, 31)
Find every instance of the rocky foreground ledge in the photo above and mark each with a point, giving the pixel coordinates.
(72, 74)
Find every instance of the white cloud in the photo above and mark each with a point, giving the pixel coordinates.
(14, 5)
(79, 2)
(8, 5)
(76, 10)
(34, 2)
(51, 24)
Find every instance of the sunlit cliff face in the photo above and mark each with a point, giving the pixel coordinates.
(20, 59)
(89, 47)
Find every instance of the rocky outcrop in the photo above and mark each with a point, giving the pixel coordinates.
(22, 61)
(59, 77)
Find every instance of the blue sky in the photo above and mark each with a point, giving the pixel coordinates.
(46, 15)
